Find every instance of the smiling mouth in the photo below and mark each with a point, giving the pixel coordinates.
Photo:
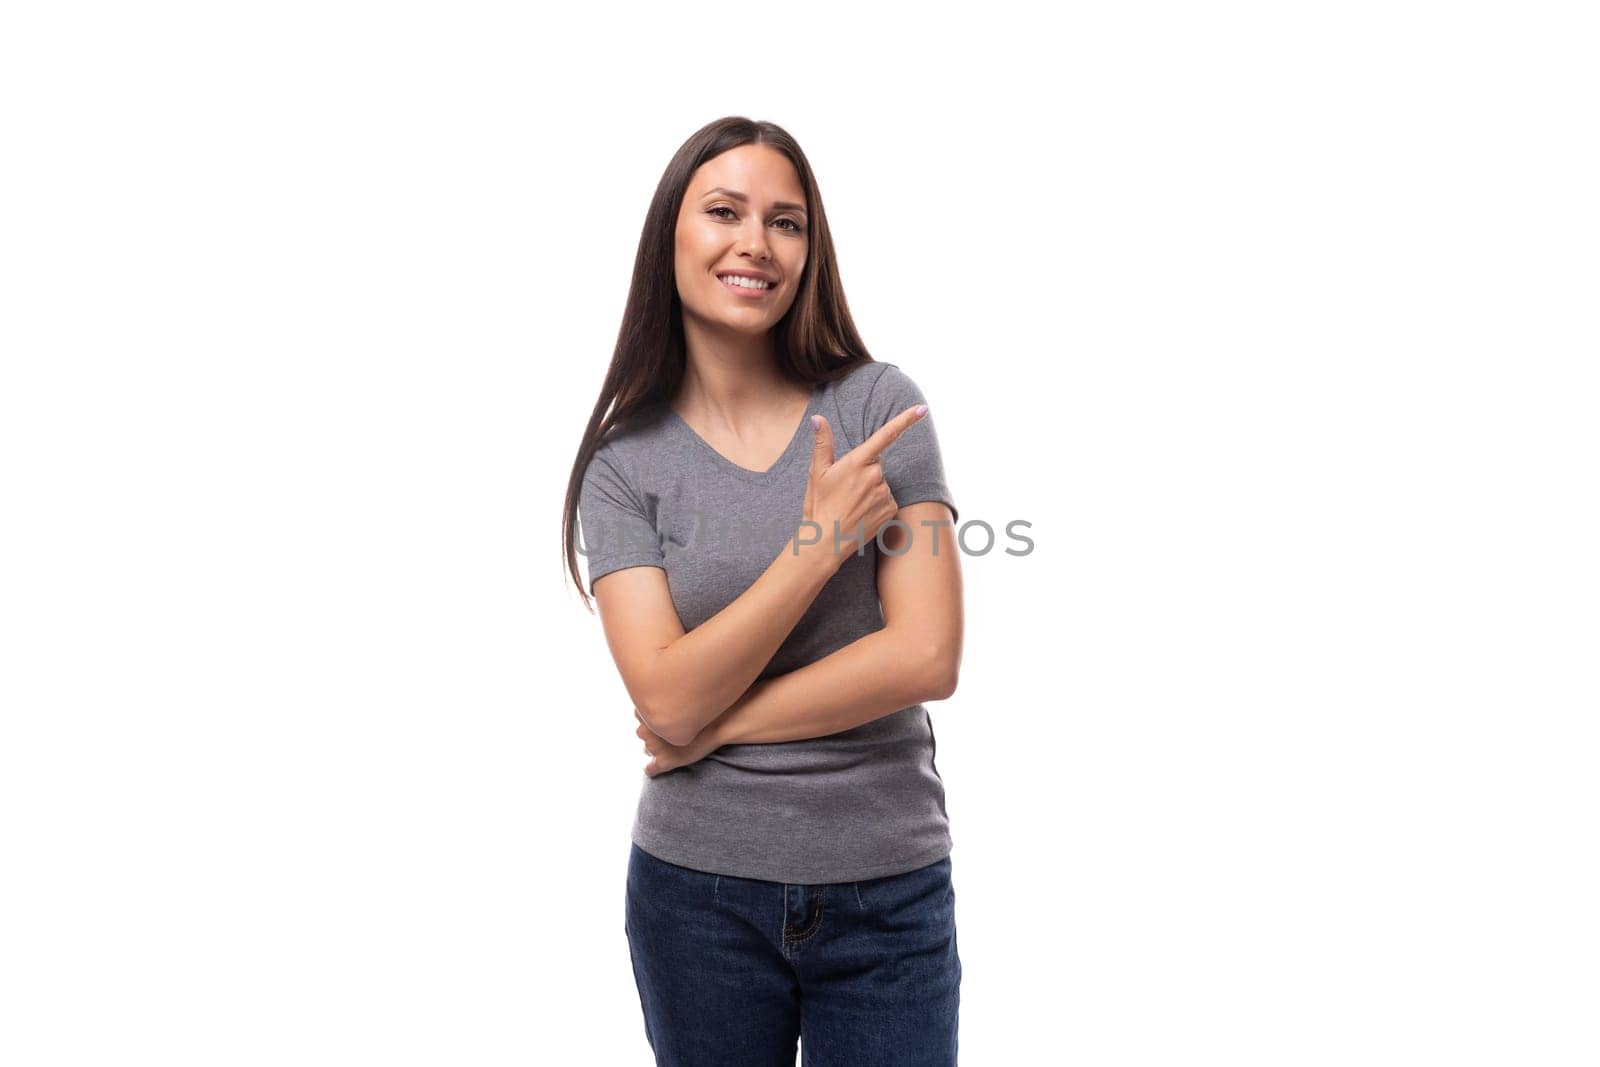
(745, 290)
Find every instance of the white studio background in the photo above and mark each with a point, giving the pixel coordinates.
(1277, 322)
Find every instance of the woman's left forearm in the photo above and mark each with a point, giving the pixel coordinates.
(867, 679)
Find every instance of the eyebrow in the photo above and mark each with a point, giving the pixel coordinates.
(777, 205)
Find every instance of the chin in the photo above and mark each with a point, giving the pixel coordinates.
(750, 326)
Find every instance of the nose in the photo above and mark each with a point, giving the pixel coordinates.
(753, 239)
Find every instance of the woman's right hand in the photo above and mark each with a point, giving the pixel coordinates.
(850, 490)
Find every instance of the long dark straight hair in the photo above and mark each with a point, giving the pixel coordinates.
(816, 339)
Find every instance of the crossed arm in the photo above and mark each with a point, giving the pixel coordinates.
(915, 657)
(867, 679)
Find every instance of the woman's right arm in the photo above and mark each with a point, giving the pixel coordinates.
(680, 681)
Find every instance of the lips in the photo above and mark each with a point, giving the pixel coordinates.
(744, 291)
(751, 274)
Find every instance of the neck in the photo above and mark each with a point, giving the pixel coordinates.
(733, 377)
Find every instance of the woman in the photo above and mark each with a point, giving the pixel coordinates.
(789, 874)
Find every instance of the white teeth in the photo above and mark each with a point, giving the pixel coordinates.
(745, 283)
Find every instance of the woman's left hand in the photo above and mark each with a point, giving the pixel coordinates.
(666, 756)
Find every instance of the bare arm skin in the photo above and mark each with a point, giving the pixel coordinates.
(915, 658)
(680, 682)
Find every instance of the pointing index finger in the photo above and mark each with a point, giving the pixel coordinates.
(875, 446)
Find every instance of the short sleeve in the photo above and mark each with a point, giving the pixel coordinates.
(617, 533)
(912, 466)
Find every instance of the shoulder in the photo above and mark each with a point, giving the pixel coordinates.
(854, 388)
(872, 394)
(625, 451)
(877, 383)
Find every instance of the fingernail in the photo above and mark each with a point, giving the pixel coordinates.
(922, 409)
(816, 422)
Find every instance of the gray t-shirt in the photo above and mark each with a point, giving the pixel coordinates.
(864, 803)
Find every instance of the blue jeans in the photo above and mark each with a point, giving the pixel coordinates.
(735, 970)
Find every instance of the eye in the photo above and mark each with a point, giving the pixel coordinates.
(794, 227)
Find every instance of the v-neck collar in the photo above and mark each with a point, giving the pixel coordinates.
(778, 465)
